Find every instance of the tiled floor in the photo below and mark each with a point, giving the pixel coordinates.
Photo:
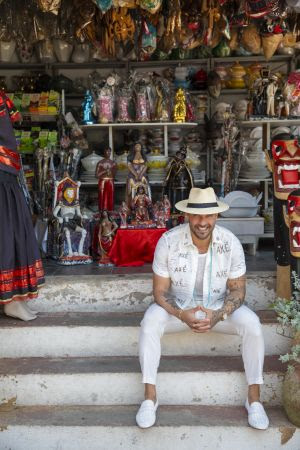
(262, 261)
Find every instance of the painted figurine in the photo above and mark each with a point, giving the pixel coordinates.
(271, 91)
(141, 205)
(106, 232)
(179, 179)
(124, 212)
(137, 173)
(68, 241)
(87, 109)
(105, 172)
(167, 206)
(180, 106)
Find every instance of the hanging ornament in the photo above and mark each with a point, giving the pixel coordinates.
(49, 5)
(151, 6)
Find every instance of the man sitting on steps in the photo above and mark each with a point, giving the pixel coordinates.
(199, 282)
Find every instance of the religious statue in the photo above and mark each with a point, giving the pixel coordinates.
(141, 206)
(124, 212)
(179, 179)
(271, 91)
(167, 206)
(68, 237)
(137, 173)
(87, 109)
(161, 213)
(291, 94)
(106, 232)
(105, 172)
(180, 106)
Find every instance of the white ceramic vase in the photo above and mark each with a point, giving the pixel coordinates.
(62, 49)
(81, 53)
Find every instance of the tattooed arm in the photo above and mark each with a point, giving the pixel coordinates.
(233, 300)
(161, 286)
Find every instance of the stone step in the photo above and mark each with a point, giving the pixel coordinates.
(113, 427)
(117, 380)
(121, 293)
(112, 334)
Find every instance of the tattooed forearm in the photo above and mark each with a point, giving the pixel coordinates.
(233, 300)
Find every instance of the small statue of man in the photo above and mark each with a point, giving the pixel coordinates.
(271, 91)
(105, 172)
(106, 233)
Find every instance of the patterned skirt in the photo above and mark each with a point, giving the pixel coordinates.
(21, 269)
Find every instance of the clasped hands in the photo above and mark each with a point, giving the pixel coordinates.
(202, 325)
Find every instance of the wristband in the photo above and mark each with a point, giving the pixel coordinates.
(180, 314)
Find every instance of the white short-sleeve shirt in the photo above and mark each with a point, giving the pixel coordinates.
(176, 257)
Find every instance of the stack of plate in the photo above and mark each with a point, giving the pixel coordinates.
(157, 175)
(254, 164)
(175, 140)
(241, 204)
(88, 177)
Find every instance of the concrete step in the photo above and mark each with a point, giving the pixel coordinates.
(121, 293)
(117, 380)
(97, 334)
(113, 427)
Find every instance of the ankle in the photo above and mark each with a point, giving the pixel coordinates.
(150, 392)
(253, 394)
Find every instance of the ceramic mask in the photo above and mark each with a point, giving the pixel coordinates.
(284, 162)
(214, 84)
(293, 221)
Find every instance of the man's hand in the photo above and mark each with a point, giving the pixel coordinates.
(213, 316)
(197, 325)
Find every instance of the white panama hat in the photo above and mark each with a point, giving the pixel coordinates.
(202, 201)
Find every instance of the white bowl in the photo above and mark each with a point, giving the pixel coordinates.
(240, 211)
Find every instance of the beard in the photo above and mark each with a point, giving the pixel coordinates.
(202, 233)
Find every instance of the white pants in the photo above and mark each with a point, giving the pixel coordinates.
(243, 322)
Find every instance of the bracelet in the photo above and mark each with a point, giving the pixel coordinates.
(180, 314)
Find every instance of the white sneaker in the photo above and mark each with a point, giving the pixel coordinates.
(257, 417)
(146, 415)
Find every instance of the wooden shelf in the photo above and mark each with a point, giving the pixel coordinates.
(276, 122)
(141, 64)
(246, 180)
(139, 125)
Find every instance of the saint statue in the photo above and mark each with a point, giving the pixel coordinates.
(137, 168)
(106, 232)
(141, 205)
(179, 179)
(68, 240)
(124, 212)
(105, 172)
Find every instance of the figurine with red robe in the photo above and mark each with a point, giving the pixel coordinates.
(105, 172)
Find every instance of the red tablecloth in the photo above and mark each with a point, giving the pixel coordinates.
(134, 247)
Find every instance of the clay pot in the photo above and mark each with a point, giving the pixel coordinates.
(291, 395)
(291, 390)
(7, 49)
